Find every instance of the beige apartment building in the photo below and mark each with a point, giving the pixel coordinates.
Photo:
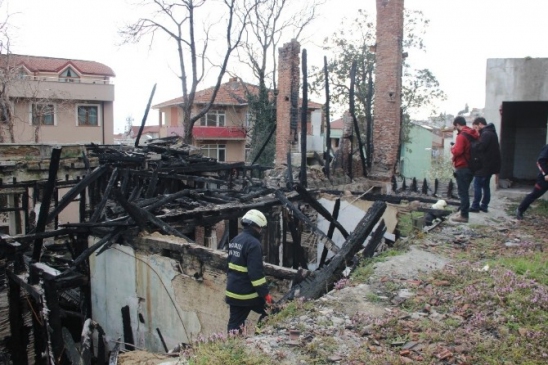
(222, 133)
(55, 100)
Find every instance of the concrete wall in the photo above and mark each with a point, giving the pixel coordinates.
(165, 287)
(514, 79)
(514, 87)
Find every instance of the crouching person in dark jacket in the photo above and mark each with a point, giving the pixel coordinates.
(246, 287)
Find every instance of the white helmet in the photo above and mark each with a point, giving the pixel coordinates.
(254, 217)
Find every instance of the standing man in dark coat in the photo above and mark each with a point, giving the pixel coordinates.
(246, 286)
(463, 174)
(491, 161)
(541, 185)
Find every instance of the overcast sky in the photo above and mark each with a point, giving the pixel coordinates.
(461, 36)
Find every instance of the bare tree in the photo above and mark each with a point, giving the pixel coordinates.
(269, 22)
(178, 20)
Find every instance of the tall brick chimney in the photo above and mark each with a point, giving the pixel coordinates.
(287, 105)
(386, 129)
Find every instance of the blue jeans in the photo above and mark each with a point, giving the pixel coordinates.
(464, 178)
(482, 190)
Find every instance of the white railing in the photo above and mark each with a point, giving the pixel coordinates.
(64, 79)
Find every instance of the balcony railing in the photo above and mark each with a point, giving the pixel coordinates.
(82, 80)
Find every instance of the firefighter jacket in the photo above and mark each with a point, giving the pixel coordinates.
(246, 284)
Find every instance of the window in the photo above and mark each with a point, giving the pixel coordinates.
(217, 151)
(69, 76)
(88, 115)
(215, 118)
(43, 114)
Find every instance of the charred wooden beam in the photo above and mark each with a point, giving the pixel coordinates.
(424, 189)
(217, 259)
(18, 340)
(327, 116)
(304, 120)
(375, 240)
(394, 199)
(134, 212)
(99, 209)
(46, 201)
(323, 238)
(152, 184)
(54, 321)
(324, 279)
(143, 122)
(72, 193)
(320, 209)
(289, 183)
(298, 254)
(331, 230)
(354, 119)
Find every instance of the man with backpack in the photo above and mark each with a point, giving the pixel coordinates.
(461, 163)
(489, 149)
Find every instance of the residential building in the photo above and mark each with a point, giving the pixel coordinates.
(56, 100)
(223, 132)
(128, 137)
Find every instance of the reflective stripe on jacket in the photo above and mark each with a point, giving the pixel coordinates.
(246, 284)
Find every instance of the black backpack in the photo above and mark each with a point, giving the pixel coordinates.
(476, 155)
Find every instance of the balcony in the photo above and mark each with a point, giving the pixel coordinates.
(61, 88)
(215, 133)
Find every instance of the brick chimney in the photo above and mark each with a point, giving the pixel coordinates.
(386, 129)
(287, 105)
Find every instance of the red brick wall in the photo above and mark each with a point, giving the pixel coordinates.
(288, 79)
(389, 50)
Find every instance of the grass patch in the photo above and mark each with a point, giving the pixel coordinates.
(532, 266)
(228, 351)
(291, 309)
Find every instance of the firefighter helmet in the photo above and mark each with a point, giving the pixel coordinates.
(254, 217)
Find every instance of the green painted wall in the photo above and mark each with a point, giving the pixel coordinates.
(416, 155)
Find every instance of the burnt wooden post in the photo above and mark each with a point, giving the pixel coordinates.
(39, 331)
(450, 189)
(394, 183)
(331, 230)
(404, 185)
(46, 201)
(354, 119)
(143, 122)
(18, 340)
(304, 112)
(327, 123)
(289, 183)
(436, 186)
(82, 206)
(298, 256)
(54, 319)
(424, 189)
(414, 187)
(285, 247)
(25, 205)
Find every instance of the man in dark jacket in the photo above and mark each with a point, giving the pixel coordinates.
(491, 160)
(541, 185)
(246, 287)
(463, 174)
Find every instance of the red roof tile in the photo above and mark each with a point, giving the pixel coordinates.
(146, 129)
(337, 124)
(201, 132)
(50, 64)
(232, 92)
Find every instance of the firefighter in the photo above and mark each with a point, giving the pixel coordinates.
(246, 287)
